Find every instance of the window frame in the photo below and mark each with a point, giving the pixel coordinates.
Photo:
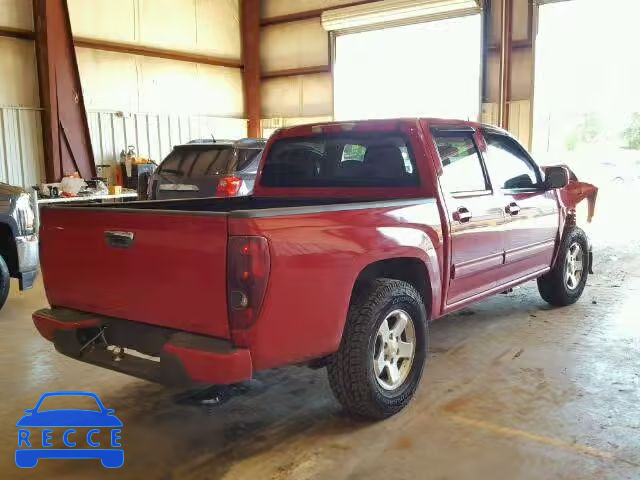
(445, 131)
(524, 155)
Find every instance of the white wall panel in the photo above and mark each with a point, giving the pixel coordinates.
(294, 45)
(317, 95)
(109, 80)
(21, 153)
(170, 86)
(298, 96)
(168, 23)
(218, 28)
(208, 27)
(220, 90)
(112, 20)
(119, 81)
(274, 8)
(154, 135)
(16, 14)
(18, 73)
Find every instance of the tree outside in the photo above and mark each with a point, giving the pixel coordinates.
(631, 135)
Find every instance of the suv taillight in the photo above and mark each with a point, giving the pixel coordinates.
(248, 267)
(228, 186)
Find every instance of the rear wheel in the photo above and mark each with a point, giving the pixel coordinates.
(564, 284)
(378, 367)
(5, 281)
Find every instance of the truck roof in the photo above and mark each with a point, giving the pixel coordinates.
(379, 124)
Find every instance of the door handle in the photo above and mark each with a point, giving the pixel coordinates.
(462, 215)
(512, 208)
(119, 239)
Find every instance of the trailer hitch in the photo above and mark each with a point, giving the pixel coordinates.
(211, 397)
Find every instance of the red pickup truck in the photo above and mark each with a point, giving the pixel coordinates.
(357, 235)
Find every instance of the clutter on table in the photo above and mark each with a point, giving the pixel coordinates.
(128, 178)
(72, 186)
(135, 171)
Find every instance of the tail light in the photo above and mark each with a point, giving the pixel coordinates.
(248, 266)
(228, 186)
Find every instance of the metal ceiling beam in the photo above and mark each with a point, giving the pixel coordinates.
(250, 28)
(308, 14)
(65, 131)
(155, 52)
(18, 33)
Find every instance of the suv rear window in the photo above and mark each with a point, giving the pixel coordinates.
(201, 162)
(340, 160)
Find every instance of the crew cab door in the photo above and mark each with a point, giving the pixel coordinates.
(532, 214)
(474, 213)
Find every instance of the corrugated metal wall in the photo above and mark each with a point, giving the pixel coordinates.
(153, 135)
(21, 155)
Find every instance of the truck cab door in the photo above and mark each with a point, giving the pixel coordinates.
(532, 213)
(475, 216)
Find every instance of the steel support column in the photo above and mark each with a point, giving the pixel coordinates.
(65, 131)
(250, 27)
(505, 62)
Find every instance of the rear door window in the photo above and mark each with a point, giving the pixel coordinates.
(461, 165)
(340, 160)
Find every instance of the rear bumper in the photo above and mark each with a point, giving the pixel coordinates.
(159, 354)
(27, 247)
(26, 279)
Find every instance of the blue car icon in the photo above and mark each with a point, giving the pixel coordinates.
(29, 452)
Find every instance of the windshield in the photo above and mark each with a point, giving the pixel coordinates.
(187, 162)
(66, 402)
(341, 160)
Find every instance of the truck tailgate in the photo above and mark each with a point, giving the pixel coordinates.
(171, 274)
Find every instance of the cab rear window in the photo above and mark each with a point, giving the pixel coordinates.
(340, 160)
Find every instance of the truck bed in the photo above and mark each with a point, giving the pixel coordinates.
(164, 263)
(219, 205)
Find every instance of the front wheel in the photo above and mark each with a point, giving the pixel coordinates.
(379, 363)
(564, 284)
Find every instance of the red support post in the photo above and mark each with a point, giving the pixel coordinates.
(506, 41)
(65, 131)
(250, 29)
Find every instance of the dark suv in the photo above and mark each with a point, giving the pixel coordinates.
(207, 168)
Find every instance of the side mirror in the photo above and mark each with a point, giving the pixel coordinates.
(555, 177)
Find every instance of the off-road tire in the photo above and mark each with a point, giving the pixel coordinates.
(5, 281)
(351, 372)
(553, 286)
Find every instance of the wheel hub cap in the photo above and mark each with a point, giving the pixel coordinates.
(394, 349)
(574, 266)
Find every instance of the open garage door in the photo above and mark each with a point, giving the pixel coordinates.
(407, 59)
(586, 104)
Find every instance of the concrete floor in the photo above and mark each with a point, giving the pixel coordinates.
(513, 390)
